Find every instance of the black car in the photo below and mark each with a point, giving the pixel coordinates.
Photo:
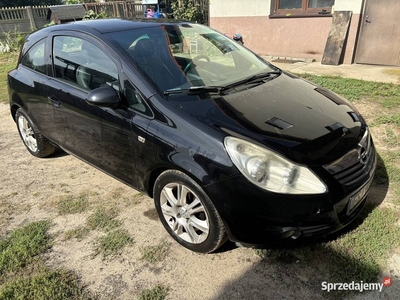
(229, 146)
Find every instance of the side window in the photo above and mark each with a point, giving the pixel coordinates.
(82, 63)
(34, 58)
(135, 100)
(296, 7)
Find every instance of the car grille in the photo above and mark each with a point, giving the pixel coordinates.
(355, 166)
(353, 174)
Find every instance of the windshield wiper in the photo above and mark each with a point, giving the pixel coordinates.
(194, 90)
(257, 78)
(263, 76)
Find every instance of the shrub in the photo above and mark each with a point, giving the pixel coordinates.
(91, 15)
(12, 41)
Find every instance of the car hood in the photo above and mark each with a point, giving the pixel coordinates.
(306, 123)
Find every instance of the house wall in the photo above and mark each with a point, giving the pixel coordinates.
(303, 37)
(240, 8)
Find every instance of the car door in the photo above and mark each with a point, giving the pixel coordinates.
(128, 123)
(101, 136)
(77, 125)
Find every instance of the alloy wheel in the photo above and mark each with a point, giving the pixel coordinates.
(184, 213)
(27, 133)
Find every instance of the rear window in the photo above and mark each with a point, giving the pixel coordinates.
(34, 57)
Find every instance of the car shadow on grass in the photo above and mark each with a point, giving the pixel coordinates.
(355, 254)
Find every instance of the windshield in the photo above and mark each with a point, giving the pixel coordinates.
(181, 56)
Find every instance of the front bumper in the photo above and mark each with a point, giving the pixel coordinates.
(255, 217)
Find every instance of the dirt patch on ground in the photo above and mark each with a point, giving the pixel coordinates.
(386, 137)
(31, 188)
(394, 72)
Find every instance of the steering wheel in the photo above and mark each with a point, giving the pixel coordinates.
(195, 60)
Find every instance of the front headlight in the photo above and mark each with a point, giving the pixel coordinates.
(271, 171)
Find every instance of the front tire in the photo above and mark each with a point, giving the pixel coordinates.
(187, 213)
(33, 140)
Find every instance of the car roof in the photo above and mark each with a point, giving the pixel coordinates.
(113, 25)
(96, 28)
(101, 26)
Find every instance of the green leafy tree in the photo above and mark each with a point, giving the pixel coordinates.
(91, 15)
(188, 10)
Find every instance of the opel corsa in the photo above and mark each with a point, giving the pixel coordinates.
(227, 145)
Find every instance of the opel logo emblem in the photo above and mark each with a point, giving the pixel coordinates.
(362, 154)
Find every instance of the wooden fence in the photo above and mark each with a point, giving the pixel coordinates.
(22, 19)
(118, 9)
(25, 19)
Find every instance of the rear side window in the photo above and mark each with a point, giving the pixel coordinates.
(82, 63)
(34, 58)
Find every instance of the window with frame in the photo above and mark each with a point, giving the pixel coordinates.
(82, 63)
(135, 100)
(293, 7)
(34, 58)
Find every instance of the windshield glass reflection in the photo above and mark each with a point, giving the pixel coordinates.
(181, 56)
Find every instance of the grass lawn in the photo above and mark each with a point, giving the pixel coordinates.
(24, 275)
(8, 61)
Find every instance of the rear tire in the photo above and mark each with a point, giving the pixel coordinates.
(33, 140)
(187, 213)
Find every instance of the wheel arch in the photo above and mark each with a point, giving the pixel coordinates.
(14, 109)
(152, 176)
(16, 103)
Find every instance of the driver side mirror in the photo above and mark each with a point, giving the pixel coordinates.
(105, 96)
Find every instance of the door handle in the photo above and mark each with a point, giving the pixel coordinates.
(54, 100)
(367, 20)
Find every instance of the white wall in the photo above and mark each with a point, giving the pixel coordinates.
(249, 8)
(240, 8)
(353, 5)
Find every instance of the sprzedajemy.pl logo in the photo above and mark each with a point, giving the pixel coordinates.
(356, 286)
